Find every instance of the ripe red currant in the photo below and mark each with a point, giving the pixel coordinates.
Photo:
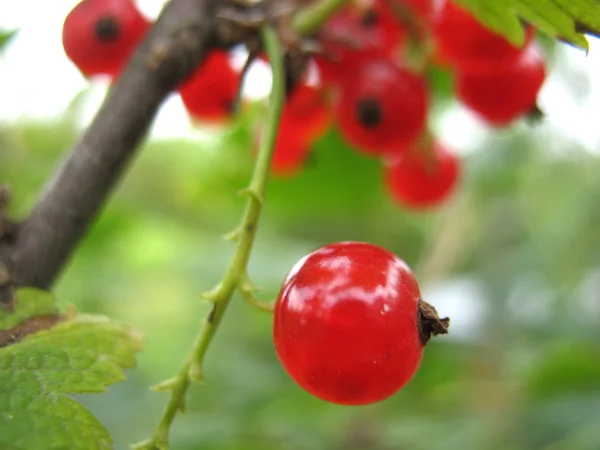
(425, 177)
(468, 45)
(304, 118)
(306, 105)
(99, 36)
(503, 96)
(291, 149)
(209, 93)
(350, 325)
(382, 108)
(353, 35)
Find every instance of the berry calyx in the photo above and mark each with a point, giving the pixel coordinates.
(503, 96)
(470, 46)
(99, 36)
(350, 325)
(382, 109)
(424, 178)
(209, 94)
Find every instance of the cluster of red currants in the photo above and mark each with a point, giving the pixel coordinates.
(371, 82)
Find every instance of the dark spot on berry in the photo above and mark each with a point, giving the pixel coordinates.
(370, 18)
(108, 29)
(368, 112)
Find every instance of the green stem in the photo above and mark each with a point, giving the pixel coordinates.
(312, 17)
(235, 275)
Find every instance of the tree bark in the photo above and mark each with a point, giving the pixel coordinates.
(72, 199)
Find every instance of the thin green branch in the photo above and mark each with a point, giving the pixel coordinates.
(313, 16)
(235, 276)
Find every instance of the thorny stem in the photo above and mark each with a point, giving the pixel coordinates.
(235, 277)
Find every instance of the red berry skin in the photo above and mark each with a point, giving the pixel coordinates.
(304, 119)
(292, 148)
(382, 108)
(307, 106)
(501, 97)
(346, 325)
(468, 45)
(354, 35)
(424, 178)
(209, 93)
(99, 36)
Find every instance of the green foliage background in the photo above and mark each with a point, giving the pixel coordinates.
(520, 241)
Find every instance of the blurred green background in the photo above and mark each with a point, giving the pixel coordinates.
(514, 259)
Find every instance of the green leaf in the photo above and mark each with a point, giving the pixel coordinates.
(564, 19)
(78, 355)
(32, 302)
(5, 37)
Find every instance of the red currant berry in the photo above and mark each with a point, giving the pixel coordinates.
(306, 105)
(382, 108)
(503, 96)
(353, 35)
(291, 149)
(425, 177)
(99, 36)
(305, 117)
(468, 45)
(350, 325)
(209, 94)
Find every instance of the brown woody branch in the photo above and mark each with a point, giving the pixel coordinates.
(72, 199)
(35, 252)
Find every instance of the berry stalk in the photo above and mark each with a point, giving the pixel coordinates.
(312, 17)
(235, 277)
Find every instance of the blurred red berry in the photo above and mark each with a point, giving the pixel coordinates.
(354, 35)
(424, 178)
(304, 118)
(99, 36)
(503, 96)
(307, 106)
(209, 94)
(292, 148)
(382, 108)
(470, 46)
